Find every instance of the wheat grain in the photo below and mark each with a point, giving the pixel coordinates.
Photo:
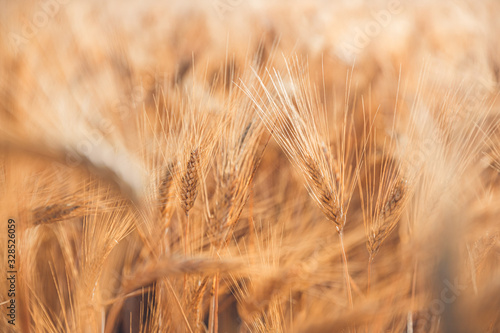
(57, 213)
(189, 182)
(323, 195)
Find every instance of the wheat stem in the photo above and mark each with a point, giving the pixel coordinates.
(346, 269)
(214, 306)
(369, 273)
(186, 227)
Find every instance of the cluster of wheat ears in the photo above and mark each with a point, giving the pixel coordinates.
(191, 168)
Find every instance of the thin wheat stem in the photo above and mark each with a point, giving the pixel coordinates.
(186, 235)
(186, 321)
(346, 269)
(185, 252)
(413, 287)
(369, 273)
(251, 226)
(214, 306)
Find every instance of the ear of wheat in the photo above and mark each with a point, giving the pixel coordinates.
(189, 182)
(291, 109)
(386, 186)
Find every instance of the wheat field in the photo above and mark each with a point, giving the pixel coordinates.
(250, 166)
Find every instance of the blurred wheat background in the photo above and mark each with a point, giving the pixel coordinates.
(251, 166)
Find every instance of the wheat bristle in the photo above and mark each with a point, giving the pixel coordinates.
(164, 189)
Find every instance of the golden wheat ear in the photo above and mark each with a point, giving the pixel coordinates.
(235, 167)
(189, 182)
(388, 212)
(56, 213)
(321, 143)
(197, 141)
(385, 189)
